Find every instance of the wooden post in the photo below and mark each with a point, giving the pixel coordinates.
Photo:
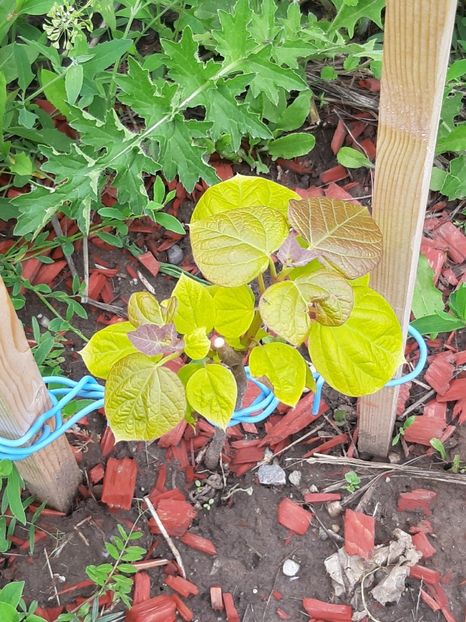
(52, 473)
(417, 43)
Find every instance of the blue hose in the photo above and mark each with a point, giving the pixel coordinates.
(51, 425)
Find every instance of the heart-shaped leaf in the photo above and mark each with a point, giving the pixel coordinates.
(234, 310)
(143, 308)
(283, 366)
(212, 392)
(143, 400)
(194, 307)
(289, 307)
(152, 340)
(197, 344)
(106, 347)
(242, 191)
(342, 233)
(233, 248)
(360, 356)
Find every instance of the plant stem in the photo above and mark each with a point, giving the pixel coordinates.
(44, 301)
(273, 270)
(260, 280)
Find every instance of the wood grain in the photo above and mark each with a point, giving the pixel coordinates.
(417, 45)
(51, 474)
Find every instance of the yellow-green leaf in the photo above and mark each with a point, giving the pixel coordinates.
(106, 347)
(329, 297)
(285, 312)
(242, 191)
(233, 248)
(212, 392)
(143, 400)
(283, 366)
(234, 310)
(197, 344)
(344, 234)
(143, 308)
(287, 308)
(360, 356)
(194, 307)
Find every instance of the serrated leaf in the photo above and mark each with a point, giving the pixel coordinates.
(143, 401)
(144, 308)
(342, 233)
(152, 340)
(283, 366)
(212, 392)
(242, 191)
(197, 344)
(352, 158)
(241, 239)
(106, 347)
(451, 183)
(234, 310)
(289, 307)
(453, 141)
(427, 299)
(291, 146)
(348, 15)
(368, 346)
(194, 307)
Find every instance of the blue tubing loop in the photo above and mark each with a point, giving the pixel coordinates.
(51, 425)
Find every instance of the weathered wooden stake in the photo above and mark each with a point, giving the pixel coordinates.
(51, 474)
(417, 44)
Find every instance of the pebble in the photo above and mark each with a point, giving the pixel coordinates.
(323, 535)
(271, 475)
(295, 478)
(394, 457)
(290, 568)
(175, 255)
(334, 508)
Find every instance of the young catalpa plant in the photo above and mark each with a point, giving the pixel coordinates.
(319, 299)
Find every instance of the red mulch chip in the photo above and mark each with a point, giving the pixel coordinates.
(428, 575)
(324, 448)
(294, 517)
(429, 601)
(198, 543)
(327, 612)
(454, 239)
(49, 272)
(182, 586)
(176, 516)
(359, 534)
(338, 137)
(321, 497)
(457, 391)
(423, 429)
(158, 609)
(230, 609)
(309, 193)
(337, 173)
(96, 474)
(149, 262)
(440, 372)
(282, 614)
(119, 483)
(216, 598)
(182, 608)
(49, 613)
(141, 587)
(417, 500)
(422, 544)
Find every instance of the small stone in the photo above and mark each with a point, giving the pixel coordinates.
(393, 457)
(335, 528)
(313, 488)
(271, 475)
(290, 568)
(323, 535)
(175, 255)
(334, 508)
(295, 478)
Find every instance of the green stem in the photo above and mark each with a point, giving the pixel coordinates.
(260, 280)
(44, 301)
(273, 270)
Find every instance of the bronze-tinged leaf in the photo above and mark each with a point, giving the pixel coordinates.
(342, 233)
(152, 340)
